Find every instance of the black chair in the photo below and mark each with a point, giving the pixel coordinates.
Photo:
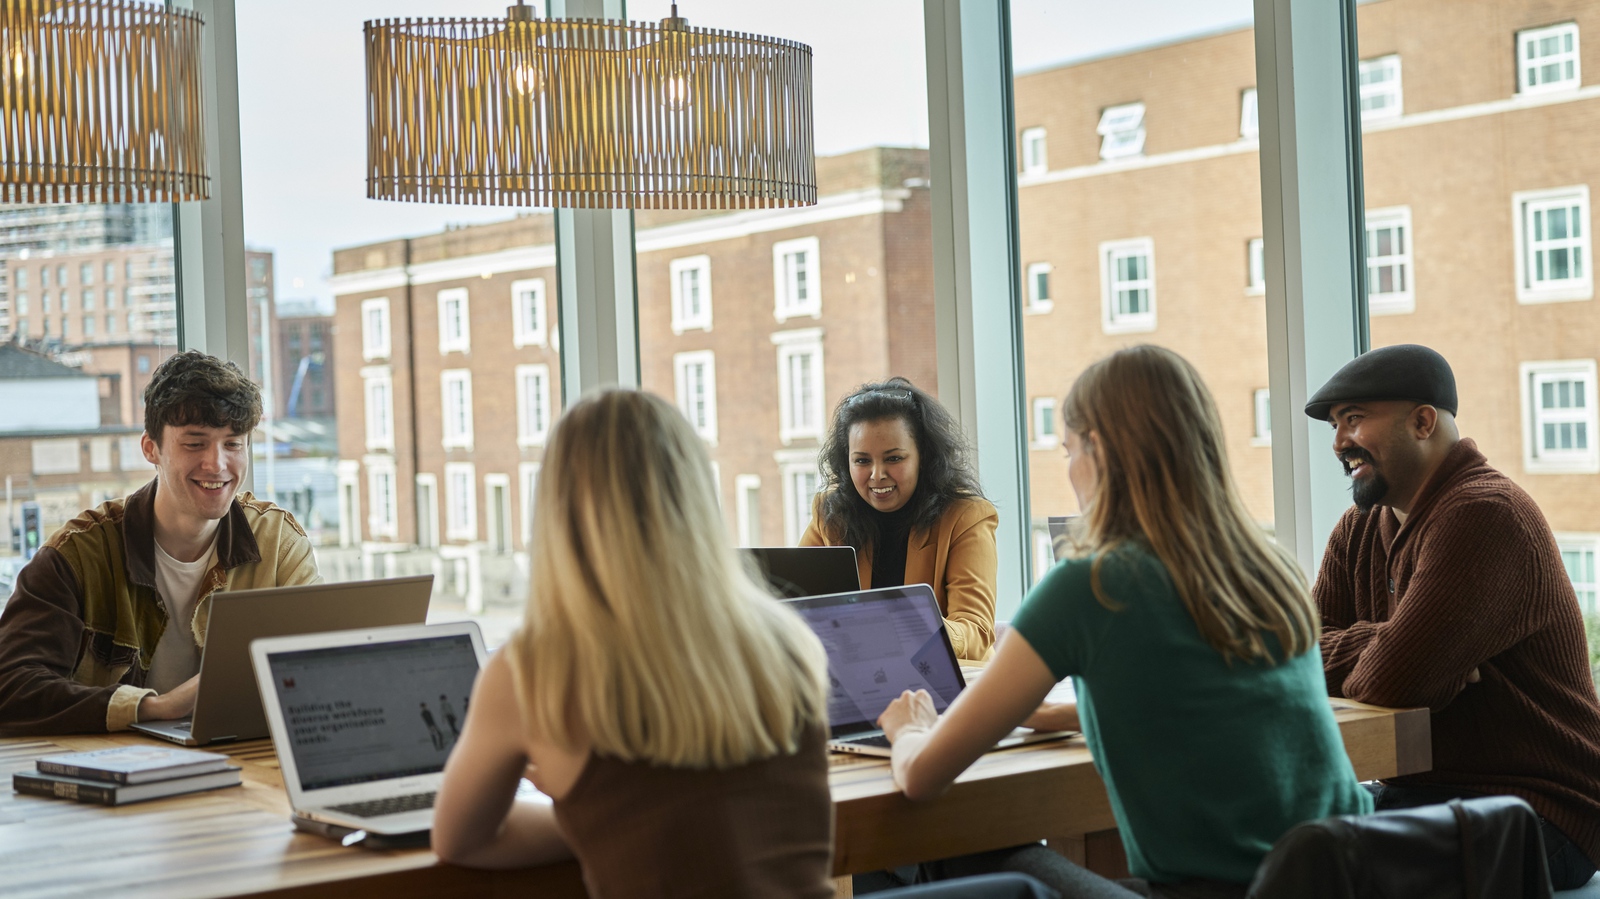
(984, 886)
(1483, 848)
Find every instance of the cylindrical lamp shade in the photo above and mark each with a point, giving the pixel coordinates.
(100, 102)
(586, 113)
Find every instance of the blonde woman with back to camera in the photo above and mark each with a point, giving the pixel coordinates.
(1192, 643)
(672, 710)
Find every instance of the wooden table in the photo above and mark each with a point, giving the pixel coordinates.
(239, 842)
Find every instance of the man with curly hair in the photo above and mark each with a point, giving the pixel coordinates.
(107, 622)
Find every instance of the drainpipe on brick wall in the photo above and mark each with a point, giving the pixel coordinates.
(411, 375)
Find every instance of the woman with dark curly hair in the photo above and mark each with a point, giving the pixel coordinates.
(900, 489)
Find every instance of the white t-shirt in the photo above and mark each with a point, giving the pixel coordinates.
(177, 658)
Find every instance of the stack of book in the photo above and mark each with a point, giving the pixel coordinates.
(126, 774)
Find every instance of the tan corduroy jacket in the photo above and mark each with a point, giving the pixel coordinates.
(78, 635)
(957, 558)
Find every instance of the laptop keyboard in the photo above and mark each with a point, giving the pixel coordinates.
(876, 740)
(393, 805)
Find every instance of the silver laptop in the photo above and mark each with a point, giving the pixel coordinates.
(227, 705)
(364, 720)
(1064, 530)
(795, 571)
(879, 643)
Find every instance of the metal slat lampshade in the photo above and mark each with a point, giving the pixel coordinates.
(100, 102)
(586, 113)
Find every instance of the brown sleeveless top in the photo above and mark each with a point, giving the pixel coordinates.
(763, 829)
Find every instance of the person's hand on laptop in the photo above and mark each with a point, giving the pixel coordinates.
(912, 710)
(1054, 716)
(175, 703)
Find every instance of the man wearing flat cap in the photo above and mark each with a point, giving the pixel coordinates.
(1443, 587)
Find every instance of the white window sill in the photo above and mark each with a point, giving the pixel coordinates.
(1135, 326)
(1256, 291)
(1556, 295)
(520, 342)
(1260, 441)
(1044, 444)
(374, 356)
(536, 440)
(1553, 466)
(1391, 305)
(783, 315)
(1039, 308)
(680, 327)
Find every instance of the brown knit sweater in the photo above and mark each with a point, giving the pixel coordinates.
(1472, 580)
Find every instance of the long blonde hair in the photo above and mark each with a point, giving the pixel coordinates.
(644, 635)
(1164, 481)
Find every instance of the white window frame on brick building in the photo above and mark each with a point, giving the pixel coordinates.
(747, 509)
(796, 270)
(1114, 283)
(1044, 423)
(1538, 252)
(1039, 288)
(1255, 262)
(455, 322)
(461, 501)
(1249, 114)
(527, 494)
(1580, 555)
(802, 479)
(375, 342)
(1035, 151)
(691, 293)
(427, 510)
(801, 402)
(383, 519)
(1261, 431)
(694, 379)
(377, 383)
(456, 407)
(529, 326)
(533, 404)
(1380, 88)
(1549, 59)
(1389, 262)
(1561, 417)
(1121, 131)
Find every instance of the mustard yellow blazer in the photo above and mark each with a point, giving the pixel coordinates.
(957, 558)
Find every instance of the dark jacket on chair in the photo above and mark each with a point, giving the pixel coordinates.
(1487, 848)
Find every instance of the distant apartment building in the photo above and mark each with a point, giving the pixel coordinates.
(304, 363)
(27, 230)
(754, 322)
(1140, 216)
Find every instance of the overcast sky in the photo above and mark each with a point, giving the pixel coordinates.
(302, 100)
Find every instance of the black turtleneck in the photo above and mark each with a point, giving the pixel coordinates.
(889, 551)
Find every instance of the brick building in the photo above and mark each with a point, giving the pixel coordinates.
(757, 319)
(1140, 215)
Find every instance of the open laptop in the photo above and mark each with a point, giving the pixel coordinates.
(227, 705)
(1063, 530)
(879, 643)
(795, 571)
(364, 720)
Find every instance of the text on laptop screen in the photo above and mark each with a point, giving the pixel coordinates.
(374, 711)
(879, 645)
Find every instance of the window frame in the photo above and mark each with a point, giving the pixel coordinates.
(1041, 410)
(1249, 114)
(450, 342)
(457, 529)
(797, 509)
(1397, 302)
(1535, 458)
(1111, 322)
(524, 334)
(532, 433)
(1521, 203)
(681, 319)
(1255, 267)
(383, 518)
(1122, 131)
(681, 365)
(1390, 86)
(1035, 304)
(783, 310)
(1035, 137)
(1583, 543)
(450, 439)
(379, 345)
(1261, 429)
(747, 515)
(527, 494)
(1527, 35)
(790, 344)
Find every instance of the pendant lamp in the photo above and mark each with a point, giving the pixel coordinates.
(100, 102)
(586, 113)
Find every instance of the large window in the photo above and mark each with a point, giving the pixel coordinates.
(794, 279)
(1547, 59)
(1578, 555)
(1128, 285)
(1561, 409)
(1389, 261)
(528, 322)
(691, 293)
(455, 324)
(1035, 159)
(1038, 288)
(1553, 260)
(457, 395)
(1380, 88)
(800, 388)
(461, 499)
(375, 328)
(696, 376)
(533, 404)
(380, 407)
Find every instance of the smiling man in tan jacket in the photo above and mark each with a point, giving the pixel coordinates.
(107, 622)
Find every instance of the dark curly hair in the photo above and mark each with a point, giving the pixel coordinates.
(944, 470)
(192, 388)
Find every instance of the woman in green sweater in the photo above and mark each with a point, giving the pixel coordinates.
(1192, 642)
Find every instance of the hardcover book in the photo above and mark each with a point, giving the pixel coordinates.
(132, 764)
(101, 793)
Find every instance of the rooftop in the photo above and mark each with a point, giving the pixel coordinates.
(19, 363)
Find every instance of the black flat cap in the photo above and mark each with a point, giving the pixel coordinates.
(1403, 372)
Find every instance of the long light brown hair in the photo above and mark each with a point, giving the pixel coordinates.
(645, 636)
(1164, 482)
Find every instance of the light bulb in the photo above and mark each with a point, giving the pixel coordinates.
(525, 78)
(676, 94)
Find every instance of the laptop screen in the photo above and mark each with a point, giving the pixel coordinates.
(373, 711)
(879, 643)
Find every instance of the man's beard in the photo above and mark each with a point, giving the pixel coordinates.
(1370, 492)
